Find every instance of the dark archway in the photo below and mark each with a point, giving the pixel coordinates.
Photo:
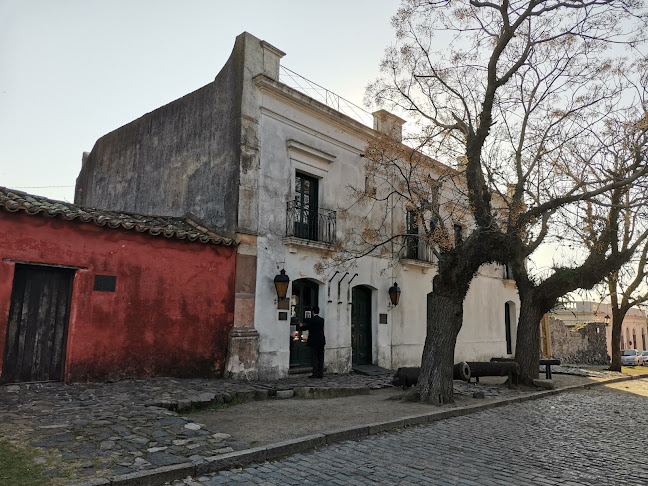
(304, 297)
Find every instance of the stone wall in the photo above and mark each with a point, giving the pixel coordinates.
(583, 343)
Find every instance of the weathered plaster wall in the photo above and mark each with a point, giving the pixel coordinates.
(582, 343)
(180, 158)
(335, 145)
(169, 316)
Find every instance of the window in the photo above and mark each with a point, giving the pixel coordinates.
(412, 236)
(305, 207)
(507, 324)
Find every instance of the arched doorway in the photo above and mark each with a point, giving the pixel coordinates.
(304, 297)
(361, 326)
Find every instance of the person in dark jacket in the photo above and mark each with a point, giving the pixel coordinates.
(316, 342)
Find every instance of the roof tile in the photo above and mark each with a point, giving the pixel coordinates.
(168, 226)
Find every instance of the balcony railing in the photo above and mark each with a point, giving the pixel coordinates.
(418, 249)
(309, 224)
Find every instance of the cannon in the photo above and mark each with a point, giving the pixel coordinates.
(408, 376)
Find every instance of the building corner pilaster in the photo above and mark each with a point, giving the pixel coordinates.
(243, 341)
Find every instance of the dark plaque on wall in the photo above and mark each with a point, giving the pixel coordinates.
(382, 318)
(104, 283)
(283, 316)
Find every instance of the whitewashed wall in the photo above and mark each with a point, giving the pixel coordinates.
(296, 133)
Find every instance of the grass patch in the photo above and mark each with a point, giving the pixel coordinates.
(634, 370)
(17, 466)
(628, 370)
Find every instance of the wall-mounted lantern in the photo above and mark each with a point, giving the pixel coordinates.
(606, 319)
(394, 294)
(281, 282)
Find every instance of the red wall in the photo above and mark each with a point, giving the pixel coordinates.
(170, 314)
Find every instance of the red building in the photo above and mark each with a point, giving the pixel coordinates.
(90, 294)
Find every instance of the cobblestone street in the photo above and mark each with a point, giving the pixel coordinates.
(576, 438)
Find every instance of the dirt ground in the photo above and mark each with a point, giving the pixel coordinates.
(265, 422)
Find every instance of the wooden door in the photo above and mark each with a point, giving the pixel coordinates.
(37, 327)
(361, 326)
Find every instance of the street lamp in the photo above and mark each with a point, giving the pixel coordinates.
(394, 294)
(281, 282)
(606, 319)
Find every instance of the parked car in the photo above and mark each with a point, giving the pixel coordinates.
(644, 355)
(631, 357)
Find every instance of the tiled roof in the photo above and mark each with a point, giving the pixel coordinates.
(171, 227)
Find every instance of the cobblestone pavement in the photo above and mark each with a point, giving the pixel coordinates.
(575, 438)
(108, 429)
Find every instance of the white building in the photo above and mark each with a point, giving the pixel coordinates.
(633, 329)
(250, 156)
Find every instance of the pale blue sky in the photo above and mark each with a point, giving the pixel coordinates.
(73, 70)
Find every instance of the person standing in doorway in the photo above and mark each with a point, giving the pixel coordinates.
(316, 342)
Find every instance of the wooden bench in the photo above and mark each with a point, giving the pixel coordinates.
(547, 363)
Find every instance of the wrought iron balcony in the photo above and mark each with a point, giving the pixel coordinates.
(418, 249)
(315, 224)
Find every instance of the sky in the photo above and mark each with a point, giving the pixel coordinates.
(74, 70)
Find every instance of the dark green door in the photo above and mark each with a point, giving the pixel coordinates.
(304, 298)
(361, 326)
(306, 220)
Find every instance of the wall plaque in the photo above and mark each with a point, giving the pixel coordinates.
(382, 318)
(104, 283)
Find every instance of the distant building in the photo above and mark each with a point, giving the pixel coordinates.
(634, 327)
(92, 295)
(269, 166)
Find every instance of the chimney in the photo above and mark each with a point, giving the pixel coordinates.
(271, 58)
(388, 124)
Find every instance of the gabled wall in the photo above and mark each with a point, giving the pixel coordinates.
(171, 311)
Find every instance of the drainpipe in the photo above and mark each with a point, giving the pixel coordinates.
(349, 289)
(329, 286)
(339, 284)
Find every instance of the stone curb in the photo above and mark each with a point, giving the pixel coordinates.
(161, 475)
(248, 395)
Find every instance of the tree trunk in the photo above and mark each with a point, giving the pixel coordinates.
(527, 346)
(617, 324)
(445, 315)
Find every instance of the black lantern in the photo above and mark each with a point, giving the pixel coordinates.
(607, 320)
(281, 282)
(394, 294)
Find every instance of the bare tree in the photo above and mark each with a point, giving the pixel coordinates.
(505, 88)
(625, 211)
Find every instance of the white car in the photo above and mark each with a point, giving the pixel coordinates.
(644, 354)
(631, 357)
